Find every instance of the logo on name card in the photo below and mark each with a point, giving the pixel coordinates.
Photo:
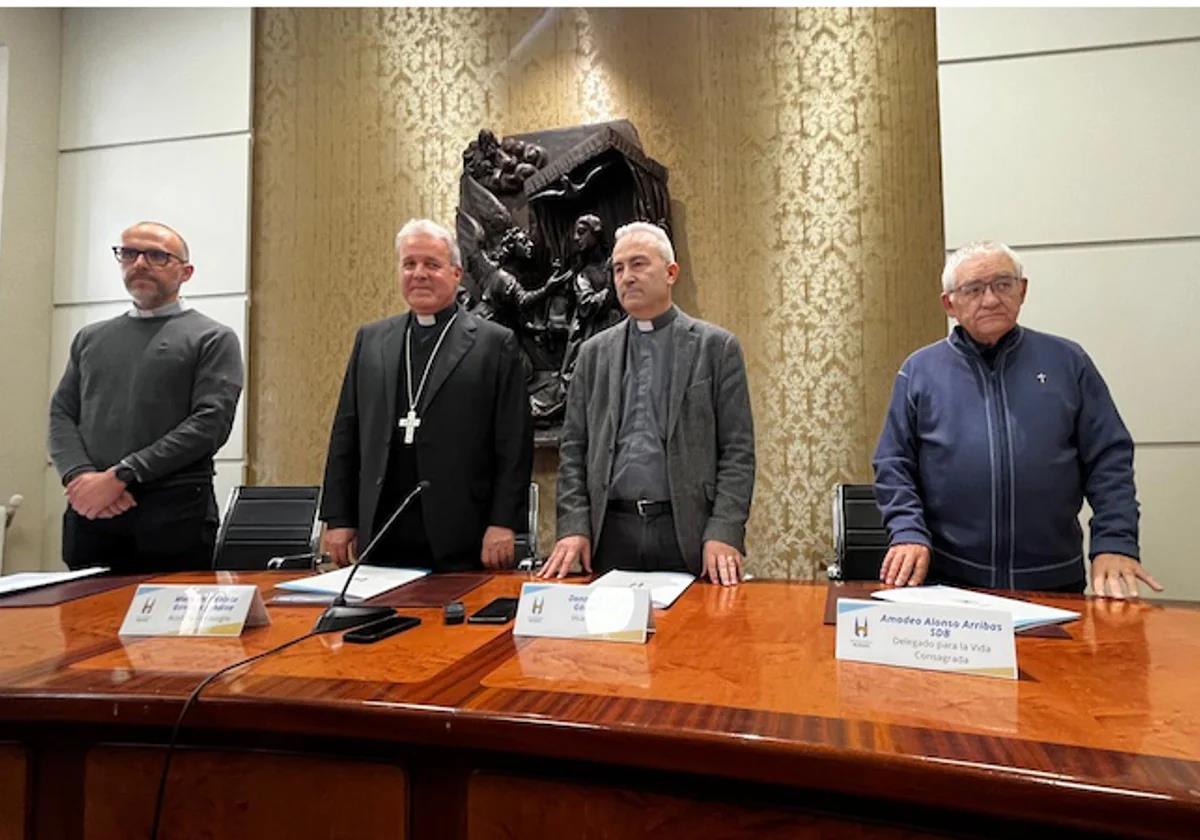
(148, 607)
(539, 604)
(860, 629)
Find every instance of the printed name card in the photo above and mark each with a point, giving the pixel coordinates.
(193, 610)
(566, 611)
(960, 640)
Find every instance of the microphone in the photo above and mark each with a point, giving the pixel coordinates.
(339, 616)
(11, 508)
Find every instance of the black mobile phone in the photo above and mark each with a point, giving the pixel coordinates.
(381, 629)
(499, 611)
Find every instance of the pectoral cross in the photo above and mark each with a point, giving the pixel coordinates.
(1041, 377)
(409, 425)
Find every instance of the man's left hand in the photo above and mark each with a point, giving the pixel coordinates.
(722, 563)
(1116, 576)
(499, 547)
(92, 493)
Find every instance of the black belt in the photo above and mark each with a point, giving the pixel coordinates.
(641, 507)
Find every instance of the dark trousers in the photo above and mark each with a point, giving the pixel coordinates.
(171, 529)
(405, 543)
(637, 543)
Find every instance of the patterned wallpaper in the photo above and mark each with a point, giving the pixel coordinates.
(803, 150)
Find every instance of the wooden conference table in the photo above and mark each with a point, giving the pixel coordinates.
(735, 720)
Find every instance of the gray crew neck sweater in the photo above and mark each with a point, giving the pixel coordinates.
(159, 393)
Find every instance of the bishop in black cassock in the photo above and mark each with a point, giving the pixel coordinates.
(435, 394)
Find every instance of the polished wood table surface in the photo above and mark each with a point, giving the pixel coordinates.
(734, 720)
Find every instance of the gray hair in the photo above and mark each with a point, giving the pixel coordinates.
(654, 232)
(976, 249)
(417, 227)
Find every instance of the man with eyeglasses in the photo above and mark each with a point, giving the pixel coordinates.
(146, 400)
(994, 437)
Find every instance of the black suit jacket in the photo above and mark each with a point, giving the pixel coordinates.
(474, 444)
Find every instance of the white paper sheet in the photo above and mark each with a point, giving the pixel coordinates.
(32, 580)
(1024, 613)
(664, 587)
(368, 582)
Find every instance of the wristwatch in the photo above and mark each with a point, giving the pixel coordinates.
(125, 473)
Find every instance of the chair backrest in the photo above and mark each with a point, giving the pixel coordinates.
(526, 548)
(265, 522)
(860, 539)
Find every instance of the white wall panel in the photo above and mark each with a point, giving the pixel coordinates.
(199, 187)
(1134, 309)
(1169, 495)
(131, 75)
(978, 32)
(231, 311)
(230, 474)
(1083, 147)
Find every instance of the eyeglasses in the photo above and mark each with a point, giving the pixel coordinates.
(1003, 286)
(154, 256)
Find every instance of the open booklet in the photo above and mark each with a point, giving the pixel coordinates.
(368, 582)
(33, 580)
(664, 587)
(1024, 614)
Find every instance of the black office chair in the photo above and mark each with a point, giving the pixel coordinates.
(860, 540)
(265, 522)
(526, 548)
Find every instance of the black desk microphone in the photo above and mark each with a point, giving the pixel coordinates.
(339, 616)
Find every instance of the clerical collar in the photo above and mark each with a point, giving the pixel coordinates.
(173, 308)
(658, 322)
(438, 318)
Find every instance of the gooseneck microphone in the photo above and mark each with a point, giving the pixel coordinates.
(339, 616)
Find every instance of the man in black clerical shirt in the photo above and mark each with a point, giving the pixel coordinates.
(656, 461)
(436, 394)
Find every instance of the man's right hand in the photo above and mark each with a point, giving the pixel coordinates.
(341, 544)
(563, 557)
(906, 564)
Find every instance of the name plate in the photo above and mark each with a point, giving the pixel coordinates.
(566, 611)
(192, 610)
(960, 640)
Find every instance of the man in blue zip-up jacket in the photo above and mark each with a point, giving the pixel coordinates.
(993, 438)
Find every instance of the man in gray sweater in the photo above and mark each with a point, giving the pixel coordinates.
(147, 399)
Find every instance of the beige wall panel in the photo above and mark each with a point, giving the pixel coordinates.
(199, 187)
(1166, 479)
(30, 165)
(51, 524)
(131, 75)
(1133, 308)
(1084, 147)
(68, 320)
(978, 32)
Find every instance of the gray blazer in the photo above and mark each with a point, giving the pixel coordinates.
(710, 443)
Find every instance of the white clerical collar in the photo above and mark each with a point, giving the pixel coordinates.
(173, 308)
(658, 322)
(426, 320)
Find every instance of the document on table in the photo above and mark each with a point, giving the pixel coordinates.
(664, 587)
(1024, 614)
(32, 580)
(368, 582)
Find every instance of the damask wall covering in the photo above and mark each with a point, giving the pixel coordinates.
(803, 149)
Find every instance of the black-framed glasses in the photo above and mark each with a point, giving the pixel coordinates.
(1003, 286)
(154, 256)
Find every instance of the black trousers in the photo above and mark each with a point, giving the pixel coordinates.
(171, 529)
(637, 543)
